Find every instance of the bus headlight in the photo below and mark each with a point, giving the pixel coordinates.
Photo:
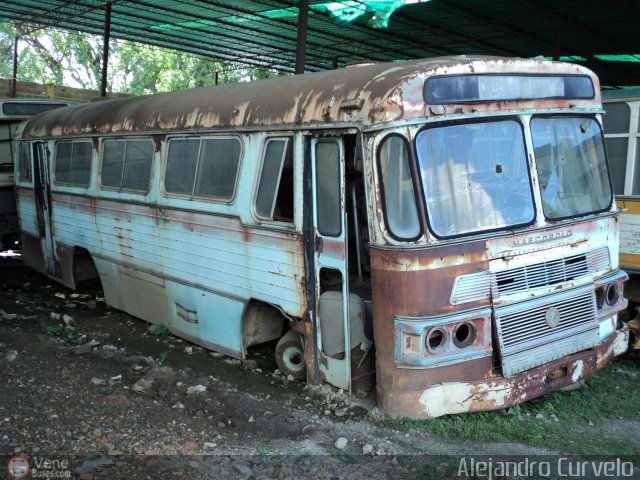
(443, 339)
(609, 293)
(612, 293)
(464, 334)
(436, 340)
(451, 337)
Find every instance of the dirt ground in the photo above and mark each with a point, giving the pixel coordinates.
(93, 389)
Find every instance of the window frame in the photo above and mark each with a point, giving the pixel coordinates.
(417, 189)
(341, 197)
(265, 143)
(606, 163)
(110, 188)
(632, 135)
(56, 181)
(193, 196)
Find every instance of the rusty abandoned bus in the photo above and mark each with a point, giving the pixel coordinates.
(12, 112)
(454, 212)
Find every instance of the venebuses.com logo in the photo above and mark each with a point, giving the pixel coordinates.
(18, 467)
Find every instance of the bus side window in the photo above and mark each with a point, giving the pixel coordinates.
(616, 122)
(24, 163)
(401, 213)
(127, 164)
(182, 162)
(218, 168)
(274, 200)
(73, 163)
(205, 168)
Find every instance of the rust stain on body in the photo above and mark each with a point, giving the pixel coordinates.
(387, 92)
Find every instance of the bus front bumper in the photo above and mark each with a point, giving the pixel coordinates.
(504, 392)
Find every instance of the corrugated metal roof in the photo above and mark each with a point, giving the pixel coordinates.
(263, 32)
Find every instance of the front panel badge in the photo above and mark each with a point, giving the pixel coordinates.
(552, 317)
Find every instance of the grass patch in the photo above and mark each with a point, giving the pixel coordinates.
(59, 331)
(53, 330)
(587, 417)
(261, 450)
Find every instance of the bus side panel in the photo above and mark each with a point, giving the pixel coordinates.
(191, 271)
(212, 320)
(32, 254)
(26, 205)
(630, 234)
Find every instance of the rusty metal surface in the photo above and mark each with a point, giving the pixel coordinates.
(189, 270)
(419, 281)
(416, 283)
(453, 396)
(222, 251)
(388, 92)
(32, 252)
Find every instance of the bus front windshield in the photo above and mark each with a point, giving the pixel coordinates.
(571, 164)
(475, 176)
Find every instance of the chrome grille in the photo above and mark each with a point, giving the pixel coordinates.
(471, 288)
(526, 340)
(550, 273)
(599, 259)
(480, 286)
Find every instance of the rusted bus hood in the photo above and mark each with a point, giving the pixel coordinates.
(367, 95)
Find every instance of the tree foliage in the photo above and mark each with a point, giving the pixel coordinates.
(75, 59)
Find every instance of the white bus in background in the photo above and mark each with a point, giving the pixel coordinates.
(622, 131)
(12, 112)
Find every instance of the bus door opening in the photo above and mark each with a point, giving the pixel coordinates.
(340, 264)
(42, 192)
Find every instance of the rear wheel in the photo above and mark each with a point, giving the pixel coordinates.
(290, 355)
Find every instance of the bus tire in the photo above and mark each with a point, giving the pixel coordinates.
(290, 355)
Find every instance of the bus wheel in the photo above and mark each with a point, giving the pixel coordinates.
(290, 355)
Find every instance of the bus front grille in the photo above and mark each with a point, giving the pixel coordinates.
(538, 331)
(550, 273)
(474, 287)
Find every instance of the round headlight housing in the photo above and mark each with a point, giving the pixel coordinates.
(612, 293)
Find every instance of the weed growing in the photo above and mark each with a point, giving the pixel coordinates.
(581, 421)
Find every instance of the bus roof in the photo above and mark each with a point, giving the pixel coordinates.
(366, 95)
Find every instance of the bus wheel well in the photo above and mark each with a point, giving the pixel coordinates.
(261, 322)
(83, 266)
